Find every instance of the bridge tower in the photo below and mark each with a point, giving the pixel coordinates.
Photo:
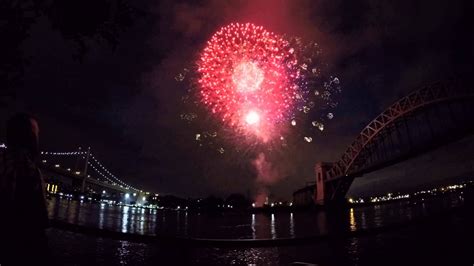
(321, 169)
(84, 175)
(330, 191)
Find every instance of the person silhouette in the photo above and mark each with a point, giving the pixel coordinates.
(23, 210)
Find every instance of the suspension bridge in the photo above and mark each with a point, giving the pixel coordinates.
(89, 176)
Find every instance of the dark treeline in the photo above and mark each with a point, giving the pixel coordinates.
(80, 22)
(210, 203)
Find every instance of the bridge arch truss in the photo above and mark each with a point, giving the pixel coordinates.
(354, 160)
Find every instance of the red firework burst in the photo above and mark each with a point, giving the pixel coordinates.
(247, 78)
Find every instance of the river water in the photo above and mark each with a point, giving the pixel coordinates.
(415, 242)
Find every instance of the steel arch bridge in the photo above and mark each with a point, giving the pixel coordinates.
(425, 119)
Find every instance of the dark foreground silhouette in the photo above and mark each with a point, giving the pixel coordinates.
(22, 202)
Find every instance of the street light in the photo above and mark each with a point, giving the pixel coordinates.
(127, 196)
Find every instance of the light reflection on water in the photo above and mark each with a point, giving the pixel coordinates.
(292, 225)
(125, 219)
(272, 227)
(254, 231)
(101, 215)
(128, 219)
(378, 216)
(363, 221)
(123, 251)
(352, 220)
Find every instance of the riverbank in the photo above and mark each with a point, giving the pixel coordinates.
(438, 240)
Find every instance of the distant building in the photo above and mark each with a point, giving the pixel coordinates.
(314, 193)
(304, 196)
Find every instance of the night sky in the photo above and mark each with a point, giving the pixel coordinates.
(102, 74)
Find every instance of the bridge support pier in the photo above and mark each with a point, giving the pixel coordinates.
(321, 169)
(330, 191)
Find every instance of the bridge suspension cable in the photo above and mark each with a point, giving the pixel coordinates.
(64, 153)
(108, 172)
(100, 173)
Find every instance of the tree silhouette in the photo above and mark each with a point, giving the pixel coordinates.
(81, 21)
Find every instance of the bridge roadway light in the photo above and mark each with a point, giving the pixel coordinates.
(127, 196)
(103, 191)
